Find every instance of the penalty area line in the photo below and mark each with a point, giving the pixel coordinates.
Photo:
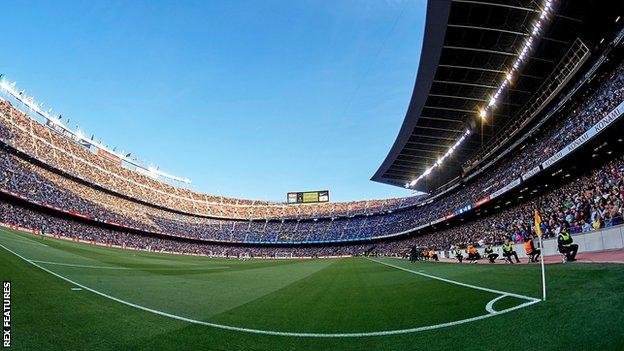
(272, 332)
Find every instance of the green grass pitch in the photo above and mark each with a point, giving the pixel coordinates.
(123, 299)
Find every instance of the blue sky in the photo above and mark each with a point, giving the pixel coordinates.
(246, 98)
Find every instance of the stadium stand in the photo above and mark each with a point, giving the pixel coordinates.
(46, 145)
(68, 185)
(47, 175)
(586, 203)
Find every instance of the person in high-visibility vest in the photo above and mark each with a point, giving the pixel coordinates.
(458, 254)
(489, 253)
(473, 254)
(566, 247)
(531, 251)
(509, 252)
(433, 255)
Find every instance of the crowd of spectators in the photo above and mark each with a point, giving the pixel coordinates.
(22, 217)
(586, 203)
(182, 213)
(603, 96)
(49, 188)
(47, 145)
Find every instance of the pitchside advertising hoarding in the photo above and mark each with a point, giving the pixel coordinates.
(307, 197)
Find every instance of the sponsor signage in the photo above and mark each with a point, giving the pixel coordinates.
(481, 202)
(590, 133)
(505, 189)
(533, 171)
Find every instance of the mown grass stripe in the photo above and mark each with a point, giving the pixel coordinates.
(272, 332)
(128, 268)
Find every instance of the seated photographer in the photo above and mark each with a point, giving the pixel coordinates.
(565, 244)
(489, 253)
(508, 252)
(531, 251)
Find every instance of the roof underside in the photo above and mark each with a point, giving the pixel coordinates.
(467, 49)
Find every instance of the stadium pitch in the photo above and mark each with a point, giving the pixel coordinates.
(68, 295)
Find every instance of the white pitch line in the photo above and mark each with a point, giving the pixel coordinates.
(128, 268)
(458, 283)
(490, 305)
(272, 332)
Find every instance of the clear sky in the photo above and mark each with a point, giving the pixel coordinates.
(248, 99)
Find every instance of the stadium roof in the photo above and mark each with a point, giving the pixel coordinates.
(468, 49)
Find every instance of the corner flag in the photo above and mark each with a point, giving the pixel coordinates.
(538, 224)
(538, 232)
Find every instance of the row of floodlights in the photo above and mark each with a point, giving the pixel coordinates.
(487, 110)
(439, 162)
(528, 45)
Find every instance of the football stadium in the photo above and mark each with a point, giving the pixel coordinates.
(510, 234)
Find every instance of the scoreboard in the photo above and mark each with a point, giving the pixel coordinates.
(307, 197)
